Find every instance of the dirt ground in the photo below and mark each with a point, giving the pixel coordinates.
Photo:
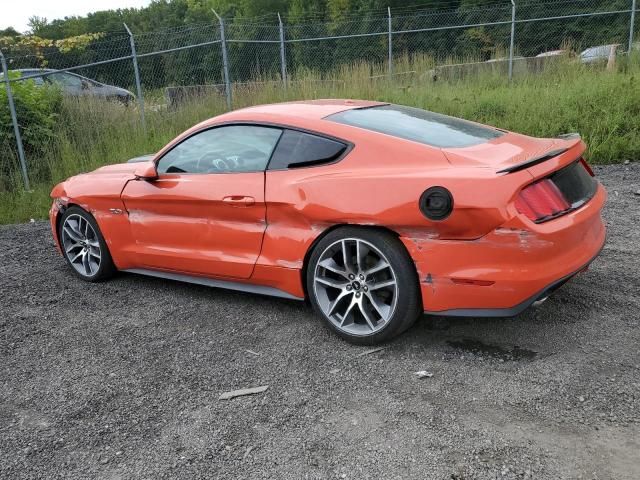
(121, 379)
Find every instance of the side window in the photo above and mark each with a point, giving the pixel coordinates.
(66, 80)
(231, 149)
(36, 80)
(299, 149)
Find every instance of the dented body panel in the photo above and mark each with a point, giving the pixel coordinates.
(98, 192)
(517, 261)
(484, 256)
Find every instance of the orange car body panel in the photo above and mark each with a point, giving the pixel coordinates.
(197, 224)
(191, 224)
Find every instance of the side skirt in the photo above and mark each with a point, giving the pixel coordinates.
(210, 282)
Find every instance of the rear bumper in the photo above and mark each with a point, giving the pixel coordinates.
(507, 270)
(512, 311)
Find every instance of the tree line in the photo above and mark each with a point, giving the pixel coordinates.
(60, 43)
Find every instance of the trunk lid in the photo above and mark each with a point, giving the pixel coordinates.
(512, 152)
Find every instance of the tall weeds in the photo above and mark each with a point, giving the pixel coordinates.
(564, 96)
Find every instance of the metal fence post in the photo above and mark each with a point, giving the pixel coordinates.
(14, 120)
(283, 56)
(633, 21)
(513, 34)
(225, 61)
(136, 72)
(390, 48)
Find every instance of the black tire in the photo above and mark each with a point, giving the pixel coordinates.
(106, 267)
(408, 304)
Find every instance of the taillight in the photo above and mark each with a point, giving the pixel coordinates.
(541, 200)
(587, 167)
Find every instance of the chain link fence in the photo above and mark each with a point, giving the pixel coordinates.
(171, 66)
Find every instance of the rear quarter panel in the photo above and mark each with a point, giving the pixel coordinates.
(379, 183)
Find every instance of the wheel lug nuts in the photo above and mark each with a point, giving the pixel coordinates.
(361, 277)
(357, 294)
(352, 276)
(365, 288)
(348, 287)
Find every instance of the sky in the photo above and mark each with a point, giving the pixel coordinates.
(16, 13)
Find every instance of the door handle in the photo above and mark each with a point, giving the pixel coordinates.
(239, 201)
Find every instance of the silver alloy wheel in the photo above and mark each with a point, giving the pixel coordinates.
(355, 286)
(81, 245)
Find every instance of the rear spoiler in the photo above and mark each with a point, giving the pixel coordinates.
(542, 158)
(533, 161)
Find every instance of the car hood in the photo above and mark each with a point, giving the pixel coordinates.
(507, 151)
(118, 168)
(142, 158)
(105, 181)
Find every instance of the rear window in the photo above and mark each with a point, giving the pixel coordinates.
(417, 125)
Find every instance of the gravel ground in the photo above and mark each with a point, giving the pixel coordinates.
(121, 379)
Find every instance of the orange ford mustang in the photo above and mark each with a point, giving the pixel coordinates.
(374, 212)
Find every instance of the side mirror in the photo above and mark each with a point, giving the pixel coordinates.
(146, 171)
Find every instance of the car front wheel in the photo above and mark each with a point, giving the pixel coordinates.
(83, 245)
(363, 284)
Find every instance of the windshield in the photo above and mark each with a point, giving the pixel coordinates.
(417, 125)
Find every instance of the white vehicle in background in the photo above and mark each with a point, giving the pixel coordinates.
(504, 59)
(599, 53)
(553, 53)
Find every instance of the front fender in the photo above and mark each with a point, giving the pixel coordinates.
(100, 195)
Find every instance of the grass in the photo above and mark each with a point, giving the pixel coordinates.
(604, 106)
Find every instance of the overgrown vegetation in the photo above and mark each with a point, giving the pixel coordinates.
(604, 106)
(38, 109)
(163, 24)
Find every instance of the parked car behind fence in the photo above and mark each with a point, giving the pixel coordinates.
(76, 85)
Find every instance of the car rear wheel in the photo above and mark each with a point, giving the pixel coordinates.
(83, 245)
(363, 284)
